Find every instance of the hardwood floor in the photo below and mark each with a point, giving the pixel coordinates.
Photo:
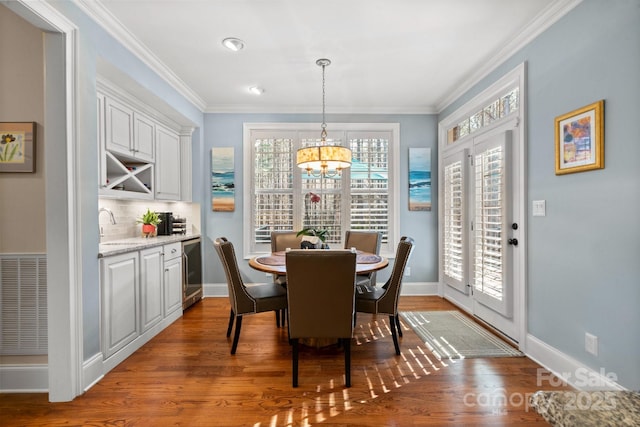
(186, 376)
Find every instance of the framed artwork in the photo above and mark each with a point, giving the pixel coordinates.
(419, 179)
(17, 146)
(222, 180)
(580, 139)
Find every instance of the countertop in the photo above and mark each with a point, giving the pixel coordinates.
(121, 246)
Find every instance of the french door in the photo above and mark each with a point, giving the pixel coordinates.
(481, 227)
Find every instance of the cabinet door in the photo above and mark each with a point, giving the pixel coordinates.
(143, 137)
(167, 165)
(172, 285)
(151, 277)
(119, 301)
(119, 127)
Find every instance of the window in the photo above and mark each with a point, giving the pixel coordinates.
(503, 106)
(280, 196)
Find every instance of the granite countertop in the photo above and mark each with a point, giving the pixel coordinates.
(588, 408)
(121, 246)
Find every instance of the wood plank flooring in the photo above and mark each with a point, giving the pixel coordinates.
(185, 376)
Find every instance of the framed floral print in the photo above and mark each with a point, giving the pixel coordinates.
(17, 146)
(580, 139)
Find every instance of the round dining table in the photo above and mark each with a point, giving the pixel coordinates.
(275, 262)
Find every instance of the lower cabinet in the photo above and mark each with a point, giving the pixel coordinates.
(151, 277)
(141, 295)
(120, 275)
(172, 277)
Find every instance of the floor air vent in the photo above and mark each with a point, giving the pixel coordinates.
(23, 304)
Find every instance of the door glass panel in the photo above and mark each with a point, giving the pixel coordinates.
(488, 223)
(454, 222)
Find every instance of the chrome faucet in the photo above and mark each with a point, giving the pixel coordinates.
(111, 218)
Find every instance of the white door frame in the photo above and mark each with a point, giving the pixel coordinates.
(64, 293)
(515, 77)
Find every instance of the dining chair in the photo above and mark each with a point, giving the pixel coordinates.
(366, 241)
(321, 300)
(280, 241)
(384, 300)
(246, 300)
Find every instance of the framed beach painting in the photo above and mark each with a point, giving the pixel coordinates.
(17, 146)
(222, 180)
(419, 179)
(580, 139)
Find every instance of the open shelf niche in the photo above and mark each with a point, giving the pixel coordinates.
(128, 176)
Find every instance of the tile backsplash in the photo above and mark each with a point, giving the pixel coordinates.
(126, 212)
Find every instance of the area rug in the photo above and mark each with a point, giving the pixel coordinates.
(452, 335)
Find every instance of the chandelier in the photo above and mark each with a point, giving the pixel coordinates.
(329, 160)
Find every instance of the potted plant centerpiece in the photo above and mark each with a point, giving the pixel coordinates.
(312, 238)
(149, 221)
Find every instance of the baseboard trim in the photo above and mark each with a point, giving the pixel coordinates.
(571, 371)
(24, 378)
(92, 371)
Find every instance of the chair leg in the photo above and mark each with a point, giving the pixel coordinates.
(346, 342)
(398, 325)
(277, 318)
(236, 336)
(392, 322)
(231, 318)
(294, 358)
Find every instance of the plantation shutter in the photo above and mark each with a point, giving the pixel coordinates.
(273, 184)
(369, 173)
(454, 235)
(490, 222)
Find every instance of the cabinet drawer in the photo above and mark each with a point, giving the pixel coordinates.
(172, 250)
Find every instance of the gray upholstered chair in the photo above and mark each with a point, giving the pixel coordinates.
(366, 241)
(280, 241)
(321, 293)
(246, 299)
(384, 300)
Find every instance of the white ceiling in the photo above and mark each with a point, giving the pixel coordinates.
(388, 56)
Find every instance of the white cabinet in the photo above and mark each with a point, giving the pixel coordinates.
(172, 277)
(143, 154)
(128, 133)
(141, 293)
(151, 293)
(119, 282)
(119, 127)
(167, 164)
(144, 137)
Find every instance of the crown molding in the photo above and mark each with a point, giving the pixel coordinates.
(104, 18)
(545, 19)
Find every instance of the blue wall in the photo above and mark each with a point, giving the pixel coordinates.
(225, 130)
(584, 256)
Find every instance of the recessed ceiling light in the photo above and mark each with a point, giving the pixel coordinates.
(233, 44)
(256, 90)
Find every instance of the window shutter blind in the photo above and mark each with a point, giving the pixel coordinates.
(488, 222)
(273, 187)
(454, 222)
(369, 175)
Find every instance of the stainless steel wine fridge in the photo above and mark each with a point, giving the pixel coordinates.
(191, 272)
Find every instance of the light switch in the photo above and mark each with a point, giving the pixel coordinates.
(539, 208)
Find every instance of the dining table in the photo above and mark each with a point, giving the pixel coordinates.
(275, 262)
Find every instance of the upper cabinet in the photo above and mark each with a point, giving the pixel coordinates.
(141, 153)
(128, 133)
(168, 161)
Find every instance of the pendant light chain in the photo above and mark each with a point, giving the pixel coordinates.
(323, 135)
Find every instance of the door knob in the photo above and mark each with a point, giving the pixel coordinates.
(513, 242)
